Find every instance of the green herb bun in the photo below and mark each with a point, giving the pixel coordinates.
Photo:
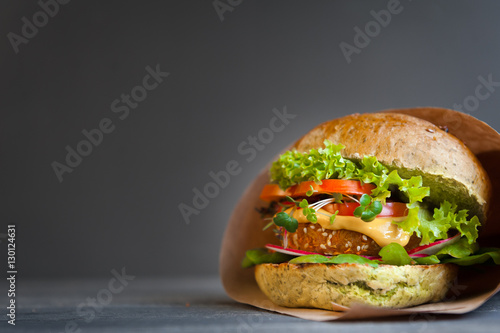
(414, 147)
(318, 285)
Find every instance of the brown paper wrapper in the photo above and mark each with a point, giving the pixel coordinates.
(475, 284)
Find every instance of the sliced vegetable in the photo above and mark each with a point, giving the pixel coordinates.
(272, 192)
(344, 209)
(390, 209)
(459, 249)
(370, 257)
(333, 186)
(292, 252)
(435, 247)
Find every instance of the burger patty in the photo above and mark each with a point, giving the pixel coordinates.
(313, 238)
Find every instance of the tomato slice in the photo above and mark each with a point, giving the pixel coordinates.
(390, 209)
(345, 209)
(272, 192)
(334, 186)
(394, 209)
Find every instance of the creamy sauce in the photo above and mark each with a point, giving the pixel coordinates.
(381, 230)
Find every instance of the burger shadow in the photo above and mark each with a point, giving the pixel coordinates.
(222, 309)
(410, 318)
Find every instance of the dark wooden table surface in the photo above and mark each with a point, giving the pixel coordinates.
(193, 305)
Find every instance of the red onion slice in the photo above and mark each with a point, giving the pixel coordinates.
(434, 248)
(292, 252)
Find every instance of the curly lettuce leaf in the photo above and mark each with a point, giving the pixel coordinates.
(444, 218)
(433, 227)
(294, 167)
(412, 221)
(466, 228)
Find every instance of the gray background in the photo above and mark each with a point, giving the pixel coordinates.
(119, 207)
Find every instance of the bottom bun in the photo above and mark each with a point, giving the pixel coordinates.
(318, 285)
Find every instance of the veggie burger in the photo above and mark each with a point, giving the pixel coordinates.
(378, 209)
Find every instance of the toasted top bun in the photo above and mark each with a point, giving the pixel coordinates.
(414, 147)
